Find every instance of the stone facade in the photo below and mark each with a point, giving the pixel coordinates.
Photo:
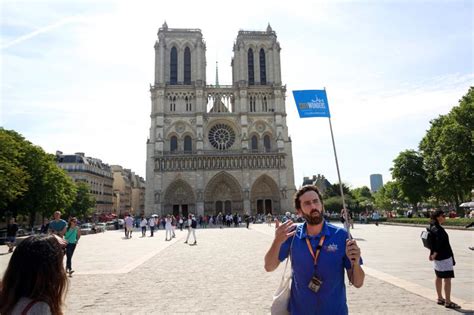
(216, 148)
(138, 194)
(122, 190)
(92, 171)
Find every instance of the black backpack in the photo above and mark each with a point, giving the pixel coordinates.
(427, 238)
(193, 224)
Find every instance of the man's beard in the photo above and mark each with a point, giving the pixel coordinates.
(313, 220)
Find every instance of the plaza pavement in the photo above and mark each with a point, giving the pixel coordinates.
(224, 273)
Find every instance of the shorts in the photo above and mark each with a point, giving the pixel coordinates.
(444, 268)
(11, 239)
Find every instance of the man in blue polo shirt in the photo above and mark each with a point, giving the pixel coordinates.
(319, 254)
(58, 225)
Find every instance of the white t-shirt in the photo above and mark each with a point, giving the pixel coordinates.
(39, 308)
(129, 222)
(143, 223)
(152, 222)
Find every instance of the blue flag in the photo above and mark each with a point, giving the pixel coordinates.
(312, 103)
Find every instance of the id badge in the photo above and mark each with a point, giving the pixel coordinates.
(315, 284)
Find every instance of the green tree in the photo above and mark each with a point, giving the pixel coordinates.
(334, 203)
(13, 178)
(84, 203)
(334, 190)
(408, 171)
(47, 187)
(388, 196)
(448, 152)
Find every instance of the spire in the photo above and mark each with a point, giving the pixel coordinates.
(217, 74)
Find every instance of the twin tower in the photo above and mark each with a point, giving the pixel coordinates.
(213, 148)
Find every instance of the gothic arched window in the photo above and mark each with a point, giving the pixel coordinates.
(188, 144)
(187, 66)
(250, 67)
(266, 143)
(173, 143)
(174, 66)
(263, 71)
(254, 143)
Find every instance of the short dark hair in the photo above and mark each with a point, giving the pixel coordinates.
(302, 191)
(435, 215)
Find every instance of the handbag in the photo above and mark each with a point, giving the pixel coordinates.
(281, 297)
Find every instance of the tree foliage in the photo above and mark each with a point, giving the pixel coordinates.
(388, 196)
(13, 177)
(45, 188)
(84, 202)
(448, 152)
(408, 171)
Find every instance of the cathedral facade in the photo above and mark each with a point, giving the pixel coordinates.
(216, 148)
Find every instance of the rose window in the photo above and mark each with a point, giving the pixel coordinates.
(221, 136)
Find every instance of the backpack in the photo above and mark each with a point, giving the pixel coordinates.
(193, 224)
(427, 238)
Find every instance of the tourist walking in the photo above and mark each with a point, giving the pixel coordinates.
(443, 259)
(168, 228)
(152, 224)
(143, 224)
(72, 236)
(192, 224)
(128, 226)
(57, 226)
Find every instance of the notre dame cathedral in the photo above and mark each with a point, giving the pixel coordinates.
(216, 148)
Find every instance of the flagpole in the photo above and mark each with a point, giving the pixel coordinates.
(346, 217)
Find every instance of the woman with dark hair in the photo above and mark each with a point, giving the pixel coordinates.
(72, 236)
(442, 256)
(35, 281)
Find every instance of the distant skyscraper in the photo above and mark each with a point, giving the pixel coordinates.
(375, 182)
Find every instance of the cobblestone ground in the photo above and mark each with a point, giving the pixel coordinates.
(223, 274)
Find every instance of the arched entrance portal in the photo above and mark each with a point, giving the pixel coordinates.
(179, 199)
(223, 194)
(264, 196)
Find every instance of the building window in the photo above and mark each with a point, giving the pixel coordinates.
(221, 136)
(266, 143)
(188, 144)
(174, 66)
(188, 104)
(172, 100)
(250, 67)
(187, 66)
(263, 71)
(173, 143)
(254, 144)
(264, 104)
(252, 103)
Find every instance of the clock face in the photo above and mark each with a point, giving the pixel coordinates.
(221, 136)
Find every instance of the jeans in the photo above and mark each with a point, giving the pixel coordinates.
(70, 247)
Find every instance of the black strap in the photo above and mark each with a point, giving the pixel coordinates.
(28, 307)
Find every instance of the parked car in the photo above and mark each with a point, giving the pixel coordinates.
(86, 228)
(110, 225)
(100, 227)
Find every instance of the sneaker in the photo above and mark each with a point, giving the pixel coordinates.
(185, 242)
(71, 272)
(195, 243)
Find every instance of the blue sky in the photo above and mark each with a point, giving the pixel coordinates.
(75, 75)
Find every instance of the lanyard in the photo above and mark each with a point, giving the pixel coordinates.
(318, 249)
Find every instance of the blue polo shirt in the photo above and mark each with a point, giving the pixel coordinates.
(331, 297)
(57, 226)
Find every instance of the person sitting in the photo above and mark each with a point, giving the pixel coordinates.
(35, 281)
